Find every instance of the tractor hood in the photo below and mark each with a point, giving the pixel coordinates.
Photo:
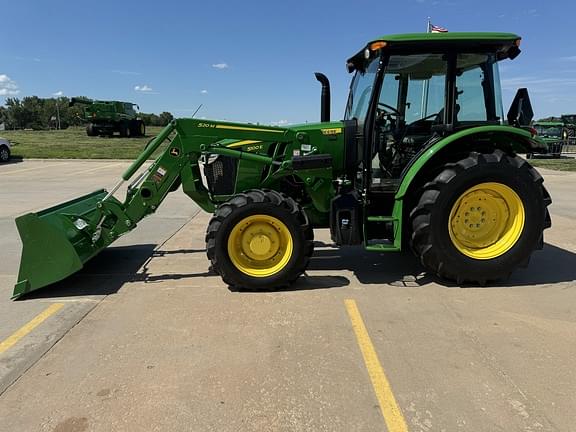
(320, 126)
(335, 138)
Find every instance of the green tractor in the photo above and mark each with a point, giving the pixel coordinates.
(424, 159)
(569, 133)
(108, 117)
(552, 133)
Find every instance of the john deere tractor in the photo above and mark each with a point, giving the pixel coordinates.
(554, 134)
(104, 118)
(424, 159)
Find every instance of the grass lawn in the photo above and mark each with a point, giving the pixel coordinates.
(555, 164)
(73, 143)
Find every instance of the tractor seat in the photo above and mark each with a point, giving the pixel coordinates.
(440, 117)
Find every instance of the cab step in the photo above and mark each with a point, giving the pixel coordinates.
(381, 244)
(381, 219)
(382, 247)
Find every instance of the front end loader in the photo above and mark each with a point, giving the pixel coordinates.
(424, 159)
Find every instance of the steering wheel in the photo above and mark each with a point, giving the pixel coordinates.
(428, 117)
(389, 108)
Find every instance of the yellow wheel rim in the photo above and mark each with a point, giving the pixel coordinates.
(486, 221)
(260, 245)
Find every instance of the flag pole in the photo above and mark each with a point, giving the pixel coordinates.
(425, 84)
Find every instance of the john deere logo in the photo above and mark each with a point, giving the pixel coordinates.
(175, 151)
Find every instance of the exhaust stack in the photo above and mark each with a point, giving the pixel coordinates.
(325, 98)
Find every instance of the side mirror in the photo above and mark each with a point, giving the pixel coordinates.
(520, 113)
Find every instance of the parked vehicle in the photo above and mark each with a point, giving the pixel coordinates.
(554, 135)
(4, 150)
(107, 117)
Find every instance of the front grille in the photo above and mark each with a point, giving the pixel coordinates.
(221, 175)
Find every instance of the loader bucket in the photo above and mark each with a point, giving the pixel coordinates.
(58, 241)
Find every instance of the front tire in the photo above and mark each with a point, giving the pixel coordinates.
(91, 130)
(137, 128)
(259, 240)
(4, 153)
(141, 128)
(480, 218)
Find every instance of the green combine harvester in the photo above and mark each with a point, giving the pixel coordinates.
(424, 159)
(105, 118)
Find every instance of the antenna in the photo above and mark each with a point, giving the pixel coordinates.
(197, 109)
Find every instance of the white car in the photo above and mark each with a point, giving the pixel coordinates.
(4, 150)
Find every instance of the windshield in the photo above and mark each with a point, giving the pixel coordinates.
(360, 92)
(549, 131)
(414, 87)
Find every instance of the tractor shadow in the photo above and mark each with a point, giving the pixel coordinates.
(551, 265)
(115, 266)
(398, 269)
(104, 274)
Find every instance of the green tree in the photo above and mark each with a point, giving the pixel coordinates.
(37, 113)
(165, 118)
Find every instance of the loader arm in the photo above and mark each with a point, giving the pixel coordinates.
(58, 241)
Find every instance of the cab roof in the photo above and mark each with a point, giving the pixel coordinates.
(450, 37)
(505, 44)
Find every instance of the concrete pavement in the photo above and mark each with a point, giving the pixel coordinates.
(176, 350)
(34, 185)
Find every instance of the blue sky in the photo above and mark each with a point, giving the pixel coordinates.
(254, 60)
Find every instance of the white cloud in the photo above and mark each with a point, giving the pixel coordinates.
(143, 88)
(34, 59)
(537, 84)
(8, 86)
(125, 72)
(280, 123)
(204, 91)
(58, 93)
(220, 66)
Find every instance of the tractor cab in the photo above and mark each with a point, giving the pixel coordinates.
(409, 91)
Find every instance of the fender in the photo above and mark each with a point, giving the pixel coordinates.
(520, 140)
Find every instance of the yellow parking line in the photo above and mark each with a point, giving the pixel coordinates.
(31, 325)
(31, 169)
(93, 169)
(388, 406)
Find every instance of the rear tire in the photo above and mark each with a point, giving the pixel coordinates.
(241, 239)
(505, 230)
(125, 131)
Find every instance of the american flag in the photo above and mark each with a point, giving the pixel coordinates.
(437, 29)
